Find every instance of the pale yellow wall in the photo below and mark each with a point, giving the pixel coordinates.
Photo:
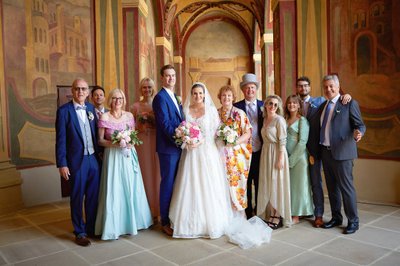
(216, 54)
(377, 181)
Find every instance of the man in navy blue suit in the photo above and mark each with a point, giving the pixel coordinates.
(253, 109)
(339, 128)
(77, 158)
(169, 114)
(310, 108)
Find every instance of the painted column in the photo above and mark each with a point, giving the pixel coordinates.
(10, 178)
(285, 52)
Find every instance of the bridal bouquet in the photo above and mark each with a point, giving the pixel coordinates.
(124, 138)
(227, 134)
(187, 133)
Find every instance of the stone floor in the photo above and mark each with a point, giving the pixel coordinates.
(42, 236)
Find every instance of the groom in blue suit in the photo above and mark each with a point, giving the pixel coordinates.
(77, 158)
(169, 114)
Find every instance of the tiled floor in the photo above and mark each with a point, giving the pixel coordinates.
(42, 236)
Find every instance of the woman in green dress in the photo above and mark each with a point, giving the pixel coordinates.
(297, 136)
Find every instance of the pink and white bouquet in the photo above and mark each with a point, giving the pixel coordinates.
(227, 134)
(125, 138)
(187, 133)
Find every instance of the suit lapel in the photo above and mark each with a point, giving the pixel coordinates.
(74, 118)
(172, 104)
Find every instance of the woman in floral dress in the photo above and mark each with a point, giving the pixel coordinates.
(238, 154)
(145, 124)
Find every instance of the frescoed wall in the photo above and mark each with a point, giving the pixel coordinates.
(217, 54)
(147, 47)
(365, 52)
(53, 47)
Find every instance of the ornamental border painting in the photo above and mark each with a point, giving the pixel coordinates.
(46, 43)
(364, 39)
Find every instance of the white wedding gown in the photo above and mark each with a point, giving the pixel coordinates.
(201, 205)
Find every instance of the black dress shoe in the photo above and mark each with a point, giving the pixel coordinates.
(351, 228)
(331, 223)
(82, 241)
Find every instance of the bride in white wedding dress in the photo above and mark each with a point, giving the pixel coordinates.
(200, 205)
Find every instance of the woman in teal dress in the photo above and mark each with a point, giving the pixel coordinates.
(297, 136)
(123, 208)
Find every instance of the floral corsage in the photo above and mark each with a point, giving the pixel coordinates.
(90, 116)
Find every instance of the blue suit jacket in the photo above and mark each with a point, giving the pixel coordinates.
(69, 139)
(242, 105)
(311, 115)
(167, 120)
(345, 119)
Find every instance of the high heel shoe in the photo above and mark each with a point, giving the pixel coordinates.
(273, 225)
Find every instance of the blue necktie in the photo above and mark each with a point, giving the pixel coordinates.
(325, 121)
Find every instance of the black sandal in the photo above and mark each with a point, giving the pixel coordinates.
(273, 225)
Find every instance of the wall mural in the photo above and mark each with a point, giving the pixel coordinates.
(53, 47)
(147, 45)
(365, 52)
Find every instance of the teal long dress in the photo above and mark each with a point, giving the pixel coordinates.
(300, 187)
(123, 208)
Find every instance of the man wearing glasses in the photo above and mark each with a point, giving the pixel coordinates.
(77, 158)
(310, 107)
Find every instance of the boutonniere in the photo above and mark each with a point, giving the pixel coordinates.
(90, 116)
(312, 105)
(337, 111)
(178, 99)
(262, 110)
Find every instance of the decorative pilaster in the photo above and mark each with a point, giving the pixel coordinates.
(10, 179)
(285, 53)
(178, 60)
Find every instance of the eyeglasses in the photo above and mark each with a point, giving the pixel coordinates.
(272, 104)
(303, 85)
(81, 88)
(117, 98)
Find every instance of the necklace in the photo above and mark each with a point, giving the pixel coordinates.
(116, 115)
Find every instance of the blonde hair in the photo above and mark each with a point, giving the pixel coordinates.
(148, 80)
(279, 110)
(111, 95)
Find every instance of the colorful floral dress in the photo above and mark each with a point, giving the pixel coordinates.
(238, 157)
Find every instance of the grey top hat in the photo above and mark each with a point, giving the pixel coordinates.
(249, 78)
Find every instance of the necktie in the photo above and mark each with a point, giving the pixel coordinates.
(305, 108)
(325, 121)
(251, 112)
(80, 107)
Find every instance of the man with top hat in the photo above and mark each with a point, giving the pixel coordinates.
(253, 109)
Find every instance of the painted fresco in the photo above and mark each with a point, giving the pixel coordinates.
(365, 52)
(53, 46)
(147, 51)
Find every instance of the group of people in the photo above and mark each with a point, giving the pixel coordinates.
(206, 188)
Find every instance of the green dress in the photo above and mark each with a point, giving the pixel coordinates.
(300, 188)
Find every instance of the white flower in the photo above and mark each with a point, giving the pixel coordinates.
(231, 138)
(90, 116)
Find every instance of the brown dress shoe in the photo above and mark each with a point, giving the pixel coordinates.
(82, 241)
(318, 222)
(167, 230)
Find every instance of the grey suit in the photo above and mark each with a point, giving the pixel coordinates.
(337, 159)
